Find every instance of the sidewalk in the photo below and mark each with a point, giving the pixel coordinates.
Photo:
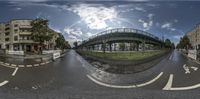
(14, 61)
(198, 62)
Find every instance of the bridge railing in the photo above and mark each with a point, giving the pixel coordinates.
(122, 30)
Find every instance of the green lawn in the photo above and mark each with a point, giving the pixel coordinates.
(123, 55)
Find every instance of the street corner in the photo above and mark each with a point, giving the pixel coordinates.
(25, 65)
(122, 84)
(187, 79)
(6, 74)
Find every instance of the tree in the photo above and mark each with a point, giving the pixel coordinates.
(61, 43)
(122, 46)
(184, 43)
(41, 32)
(75, 44)
(168, 43)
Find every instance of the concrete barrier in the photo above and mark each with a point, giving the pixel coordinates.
(15, 52)
(51, 51)
(192, 54)
(56, 55)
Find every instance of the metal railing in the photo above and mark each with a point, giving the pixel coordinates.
(122, 30)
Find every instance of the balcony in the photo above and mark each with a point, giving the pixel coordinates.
(7, 33)
(8, 28)
(26, 41)
(24, 33)
(25, 26)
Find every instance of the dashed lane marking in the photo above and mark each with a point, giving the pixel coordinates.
(15, 71)
(4, 82)
(128, 86)
(13, 65)
(21, 65)
(36, 65)
(7, 64)
(47, 62)
(29, 65)
(42, 63)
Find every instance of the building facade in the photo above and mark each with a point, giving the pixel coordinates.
(194, 37)
(16, 35)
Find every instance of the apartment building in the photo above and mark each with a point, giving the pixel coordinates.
(16, 35)
(194, 37)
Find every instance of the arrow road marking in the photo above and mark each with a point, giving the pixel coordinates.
(128, 86)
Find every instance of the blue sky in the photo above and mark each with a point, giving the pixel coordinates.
(78, 20)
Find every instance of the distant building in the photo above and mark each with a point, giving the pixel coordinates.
(194, 37)
(16, 35)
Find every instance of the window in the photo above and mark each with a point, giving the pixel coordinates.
(7, 33)
(7, 39)
(16, 25)
(7, 28)
(16, 30)
(15, 38)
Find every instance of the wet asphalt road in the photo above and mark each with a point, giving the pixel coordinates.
(66, 78)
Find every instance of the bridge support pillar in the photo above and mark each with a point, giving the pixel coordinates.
(137, 46)
(110, 47)
(103, 47)
(93, 47)
(143, 46)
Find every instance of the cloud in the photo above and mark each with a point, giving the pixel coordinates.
(140, 9)
(147, 24)
(177, 36)
(29, 0)
(73, 31)
(168, 26)
(94, 15)
(17, 9)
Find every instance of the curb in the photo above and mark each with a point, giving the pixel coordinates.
(196, 61)
(24, 66)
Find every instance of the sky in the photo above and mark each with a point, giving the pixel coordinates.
(79, 20)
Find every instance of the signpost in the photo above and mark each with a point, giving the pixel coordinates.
(56, 55)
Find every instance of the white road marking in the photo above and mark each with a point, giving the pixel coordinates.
(168, 86)
(21, 65)
(128, 86)
(42, 63)
(3, 83)
(36, 65)
(13, 65)
(7, 64)
(194, 68)
(171, 56)
(47, 62)
(187, 88)
(13, 74)
(28, 65)
(169, 83)
(186, 68)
